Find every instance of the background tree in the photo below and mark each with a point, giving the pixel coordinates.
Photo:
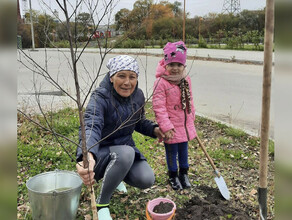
(140, 12)
(24, 30)
(156, 12)
(176, 8)
(84, 18)
(44, 30)
(122, 19)
(164, 28)
(190, 29)
(145, 22)
(252, 20)
(84, 23)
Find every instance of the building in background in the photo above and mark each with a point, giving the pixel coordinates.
(103, 31)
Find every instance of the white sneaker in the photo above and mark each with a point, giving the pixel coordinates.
(122, 188)
(104, 214)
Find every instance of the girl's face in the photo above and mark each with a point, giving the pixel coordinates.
(124, 82)
(175, 68)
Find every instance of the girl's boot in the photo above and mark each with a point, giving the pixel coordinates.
(183, 178)
(174, 181)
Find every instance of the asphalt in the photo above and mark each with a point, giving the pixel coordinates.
(238, 56)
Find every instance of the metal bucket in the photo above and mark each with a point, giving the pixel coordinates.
(54, 195)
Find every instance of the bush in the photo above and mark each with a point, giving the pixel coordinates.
(129, 43)
(202, 43)
(60, 44)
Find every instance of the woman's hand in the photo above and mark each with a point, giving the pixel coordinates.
(87, 174)
(158, 133)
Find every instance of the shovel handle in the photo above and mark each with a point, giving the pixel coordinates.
(207, 155)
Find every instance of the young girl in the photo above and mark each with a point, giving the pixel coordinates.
(174, 111)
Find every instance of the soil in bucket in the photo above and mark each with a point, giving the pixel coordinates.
(160, 209)
(163, 207)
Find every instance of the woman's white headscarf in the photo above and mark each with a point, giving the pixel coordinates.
(122, 62)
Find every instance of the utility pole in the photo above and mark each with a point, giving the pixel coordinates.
(31, 25)
(231, 6)
(184, 22)
(200, 21)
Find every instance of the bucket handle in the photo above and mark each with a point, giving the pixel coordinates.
(149, 218)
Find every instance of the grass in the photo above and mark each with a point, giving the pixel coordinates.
(234, 153)
(224, 141)
(243, 159)
(233, 132)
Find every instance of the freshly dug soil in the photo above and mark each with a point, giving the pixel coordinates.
(211, 207)
(163, 207)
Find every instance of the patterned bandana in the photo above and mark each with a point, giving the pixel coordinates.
(122, 62)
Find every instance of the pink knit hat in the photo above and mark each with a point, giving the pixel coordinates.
(175, 52)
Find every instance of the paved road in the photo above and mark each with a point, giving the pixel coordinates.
(228, 92)
(255, 57)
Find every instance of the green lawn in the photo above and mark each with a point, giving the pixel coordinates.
(234, 153)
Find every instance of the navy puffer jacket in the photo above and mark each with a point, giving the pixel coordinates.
(107, 111)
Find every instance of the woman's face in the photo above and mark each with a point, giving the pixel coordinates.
(124, 82)
(175, 68)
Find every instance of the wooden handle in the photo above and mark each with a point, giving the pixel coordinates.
(209, 158)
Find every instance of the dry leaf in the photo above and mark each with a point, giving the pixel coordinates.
(87, 217)
(253, 192)
(124, 199)
(22, 207)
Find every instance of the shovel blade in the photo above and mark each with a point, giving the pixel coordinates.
(222, 187)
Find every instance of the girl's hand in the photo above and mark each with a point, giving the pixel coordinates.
(169, 134)
(87, 174)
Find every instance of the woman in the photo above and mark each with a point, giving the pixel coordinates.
(115, 110)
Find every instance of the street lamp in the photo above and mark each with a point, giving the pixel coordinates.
(31, 25)
(184, 21)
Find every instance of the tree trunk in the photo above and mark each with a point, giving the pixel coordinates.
(80, 111)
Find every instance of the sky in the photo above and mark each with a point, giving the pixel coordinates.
(194, 7)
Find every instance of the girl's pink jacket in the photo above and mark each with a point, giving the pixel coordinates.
(168, 109)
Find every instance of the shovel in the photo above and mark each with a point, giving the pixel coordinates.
(218, 179)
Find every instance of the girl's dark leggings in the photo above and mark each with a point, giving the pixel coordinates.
(174, 151)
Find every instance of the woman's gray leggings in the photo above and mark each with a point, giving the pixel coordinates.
(123, 167)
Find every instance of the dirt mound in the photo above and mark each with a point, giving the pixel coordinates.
(212, 207)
